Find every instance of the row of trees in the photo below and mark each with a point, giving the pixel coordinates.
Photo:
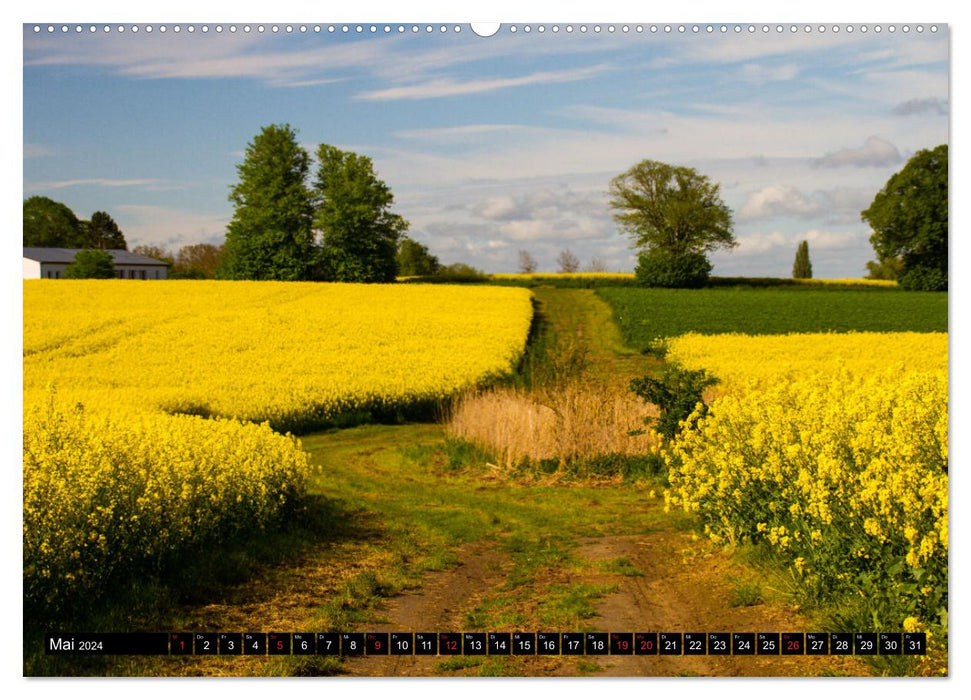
(50, 224)
(339, 226)
(567, 261)
(197, 261)
(200, 261)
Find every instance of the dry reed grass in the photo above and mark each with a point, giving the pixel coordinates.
(565, 422)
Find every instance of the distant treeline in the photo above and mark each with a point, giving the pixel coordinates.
(598, 280)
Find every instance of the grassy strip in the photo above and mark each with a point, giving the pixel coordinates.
(644, 315)
(445, 496)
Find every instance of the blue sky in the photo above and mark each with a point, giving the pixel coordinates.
(492, 145)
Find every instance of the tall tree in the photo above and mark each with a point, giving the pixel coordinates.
(527, 263)
(415, 259)
(102, 232)
(801, 267)
(50, 224)
(269, 237)
(675, 217)
(567, 261)
(909, 218)
(359, 233)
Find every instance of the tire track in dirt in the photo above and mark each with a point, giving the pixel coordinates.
(438, 606)
(687, 589)
(684, 587)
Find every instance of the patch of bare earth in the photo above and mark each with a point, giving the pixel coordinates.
(685, 588)
(276, 599)
(438, 606)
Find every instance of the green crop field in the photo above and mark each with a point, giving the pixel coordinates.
(647, 314)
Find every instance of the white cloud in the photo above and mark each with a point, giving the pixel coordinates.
(156, 56)
(291, 61)
(777, 242)
(777, 200)
(449, 87)
(762, 73)
(456, 134)
(98, 182)
(837, 204)
(168, 227)
(830, 240)
(499, 208)
(759, 243)
(874, 152)
(525, 230)
(927, 105)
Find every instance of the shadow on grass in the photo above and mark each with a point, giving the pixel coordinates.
(215, 573)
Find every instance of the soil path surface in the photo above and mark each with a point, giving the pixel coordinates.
(679, 587)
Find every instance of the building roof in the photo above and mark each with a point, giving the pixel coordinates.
(66, 255)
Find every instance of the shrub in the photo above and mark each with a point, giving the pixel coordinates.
(91, 264)
(677, 395)
(660, 268)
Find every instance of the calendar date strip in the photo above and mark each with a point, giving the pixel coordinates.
(489, 643)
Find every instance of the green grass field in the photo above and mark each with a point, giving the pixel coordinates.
(644, 315)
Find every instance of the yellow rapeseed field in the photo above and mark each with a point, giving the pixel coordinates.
(292, 354)
(832, 448)
(863, 282)
(120, 471)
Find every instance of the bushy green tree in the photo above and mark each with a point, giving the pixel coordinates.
(675, 216)
(888, 269)
(91, 264)
(359, 233)
(802, 268)
(102, 232)
(659, 267)
(269, 237)
(909, 218)
(50, 224)
(415, 259)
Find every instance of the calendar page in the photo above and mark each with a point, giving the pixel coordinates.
(519, 349)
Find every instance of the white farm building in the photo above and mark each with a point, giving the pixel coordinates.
(49, 263)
